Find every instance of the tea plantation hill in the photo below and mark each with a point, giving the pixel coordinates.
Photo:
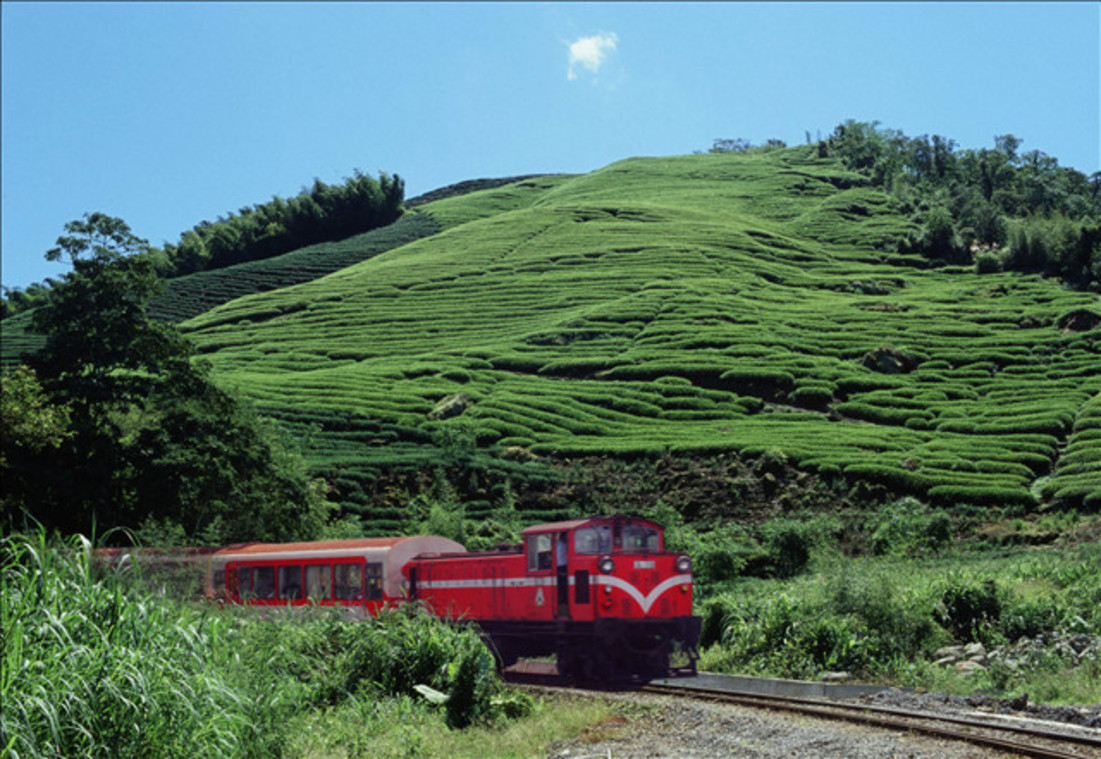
(749, 305)
(191, 295)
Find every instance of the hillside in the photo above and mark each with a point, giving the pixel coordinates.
(746, 306)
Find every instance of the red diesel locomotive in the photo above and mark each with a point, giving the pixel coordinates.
(600, 594)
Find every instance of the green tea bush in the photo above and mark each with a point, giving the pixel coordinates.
(978, 494)
(908, 528)
(811, 397)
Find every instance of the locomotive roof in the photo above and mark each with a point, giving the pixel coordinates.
(556, 526)
(573, 523)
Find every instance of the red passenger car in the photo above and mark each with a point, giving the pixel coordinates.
(362, 574)
(601, 594)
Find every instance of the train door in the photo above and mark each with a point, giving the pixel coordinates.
(562, 574)
(542, 590)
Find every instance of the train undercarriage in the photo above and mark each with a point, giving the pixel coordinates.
(604, 650)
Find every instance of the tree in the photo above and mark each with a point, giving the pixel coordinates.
(105, 237)
(33, 427)
(95, 322)
(1007, 144)
(939, 239)
(152, 436)
(726, 145)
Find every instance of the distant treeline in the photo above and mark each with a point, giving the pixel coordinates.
(325, 212)
(322, 213)
(996, 208)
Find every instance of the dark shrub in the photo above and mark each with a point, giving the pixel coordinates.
(966, 609)
(787, 543)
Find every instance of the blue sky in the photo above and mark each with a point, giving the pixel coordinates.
(166, 114)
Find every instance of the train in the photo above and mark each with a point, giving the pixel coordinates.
(600, 595)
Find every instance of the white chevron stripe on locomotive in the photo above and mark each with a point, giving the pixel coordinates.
(643, 601)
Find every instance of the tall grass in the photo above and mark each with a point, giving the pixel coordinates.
(92, 670)
(96, 668)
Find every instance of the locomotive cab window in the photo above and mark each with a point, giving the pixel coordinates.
(593, 540)
(290, 583)
(319, 581)
(637, 538)
(540, 553)
(348, 582)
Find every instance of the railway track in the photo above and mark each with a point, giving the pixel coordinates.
(1012, 735)
(1031, 740)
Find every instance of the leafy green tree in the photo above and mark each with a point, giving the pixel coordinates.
(152, 436)
(27, 417)
(939, 238)
(99, 343)
(33, 428)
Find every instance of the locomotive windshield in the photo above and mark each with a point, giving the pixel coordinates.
(635, 537)
(593, 540)
(624, 538)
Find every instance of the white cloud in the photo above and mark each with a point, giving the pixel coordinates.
(590, 52)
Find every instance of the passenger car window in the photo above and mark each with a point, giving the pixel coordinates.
(319, 578)
(348, 581)
(244, 582)
(374, 582)
(290, 583)
(263, 582)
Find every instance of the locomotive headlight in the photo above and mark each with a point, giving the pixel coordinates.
(684, 564)
(606, 565)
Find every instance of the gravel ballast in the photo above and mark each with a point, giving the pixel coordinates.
(656, 727)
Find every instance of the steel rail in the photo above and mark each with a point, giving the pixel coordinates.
(888, 717)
